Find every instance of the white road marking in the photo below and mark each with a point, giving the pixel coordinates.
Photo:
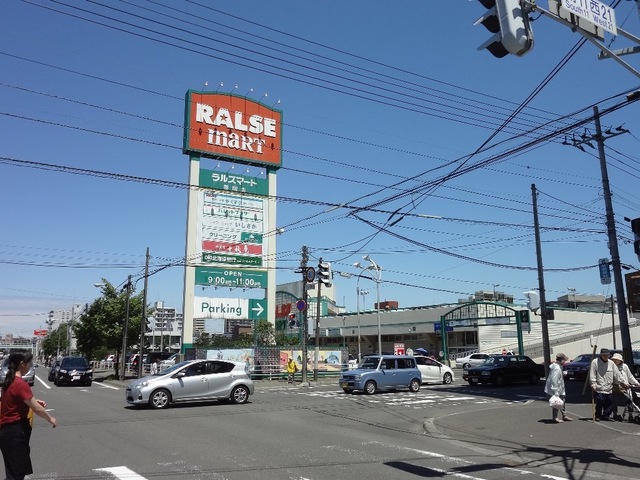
(104, 385)
(123, 473)
(44, 384)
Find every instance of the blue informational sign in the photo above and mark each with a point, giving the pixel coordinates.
(605, 271)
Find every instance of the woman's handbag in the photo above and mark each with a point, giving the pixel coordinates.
(555, 402)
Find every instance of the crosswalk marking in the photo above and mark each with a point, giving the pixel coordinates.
(122, 473)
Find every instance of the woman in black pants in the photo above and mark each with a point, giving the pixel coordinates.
(15, 427)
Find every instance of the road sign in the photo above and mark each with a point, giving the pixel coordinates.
(593, 11)
(310, 274)
(301, 305)
(231, 277)
(257, 309)
(605, 272)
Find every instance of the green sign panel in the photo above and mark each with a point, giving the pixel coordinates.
(233, 183)
(257, 309)
(231, 277)
(209, 257)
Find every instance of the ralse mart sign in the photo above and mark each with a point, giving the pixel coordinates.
(224, 125)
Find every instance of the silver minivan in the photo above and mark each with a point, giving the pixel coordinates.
(382, 372)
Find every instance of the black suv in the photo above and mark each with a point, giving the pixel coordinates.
(73, 371)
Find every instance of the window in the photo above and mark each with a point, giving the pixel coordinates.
(405, 363)
(389, 363)
(196, 369)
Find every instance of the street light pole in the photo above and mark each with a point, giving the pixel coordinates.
(378, 270)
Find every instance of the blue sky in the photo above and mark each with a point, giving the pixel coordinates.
(379, 103)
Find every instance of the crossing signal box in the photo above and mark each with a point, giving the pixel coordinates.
(635, 228)
(324, 273)
(509, 23)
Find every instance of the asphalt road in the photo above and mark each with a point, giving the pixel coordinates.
(319, 433)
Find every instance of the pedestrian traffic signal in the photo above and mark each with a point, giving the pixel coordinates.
(635, 228)
(524, 316)
(509, 23)
(324, 273)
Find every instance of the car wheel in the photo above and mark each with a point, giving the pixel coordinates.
(240, 394)
(56, 382)
(88, 384)
(472, 383)
(447, 379)
(534, 379)
(160, 399)
(499, 381)
(414, 386)
(347, 390)
(370, 387)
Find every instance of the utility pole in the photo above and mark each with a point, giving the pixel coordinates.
(143, 318)
(123, 360)
(623, 319)
(625, 336)
(543, 302)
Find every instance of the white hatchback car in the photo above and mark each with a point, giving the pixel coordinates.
(433, 371)
(471, 360)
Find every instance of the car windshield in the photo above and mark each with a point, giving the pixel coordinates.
(583, 358)
(74, 362)
(370, 363)
(496, 360)
(175, 367)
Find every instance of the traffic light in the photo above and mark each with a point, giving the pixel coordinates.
(524, 316)
(635, 228)
(324, 273)
(510, 24)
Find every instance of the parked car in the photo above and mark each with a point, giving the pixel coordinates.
(636, 360)
(169, 362)
(578, 368)
(73, 371)
(55, 366)
(433, 371)
(30, 377)
(193, 380)
(505, 369)
(473, 359)
(382, 372)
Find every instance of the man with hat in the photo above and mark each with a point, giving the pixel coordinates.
(627, 378)
(602, 375)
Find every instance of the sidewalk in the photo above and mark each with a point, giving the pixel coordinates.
(526, 432)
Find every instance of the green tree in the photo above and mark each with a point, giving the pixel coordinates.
(100, 328)
(264, 333)
(56, 341)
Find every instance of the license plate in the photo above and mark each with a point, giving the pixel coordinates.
(76, 377)
(344, 384)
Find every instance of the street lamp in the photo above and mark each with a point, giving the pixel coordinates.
(378, 277)
(363, 293)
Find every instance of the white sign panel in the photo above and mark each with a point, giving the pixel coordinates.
(593, 11)
(225, 308)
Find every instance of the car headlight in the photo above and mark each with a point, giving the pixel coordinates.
(62, 371)
(357, 377)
